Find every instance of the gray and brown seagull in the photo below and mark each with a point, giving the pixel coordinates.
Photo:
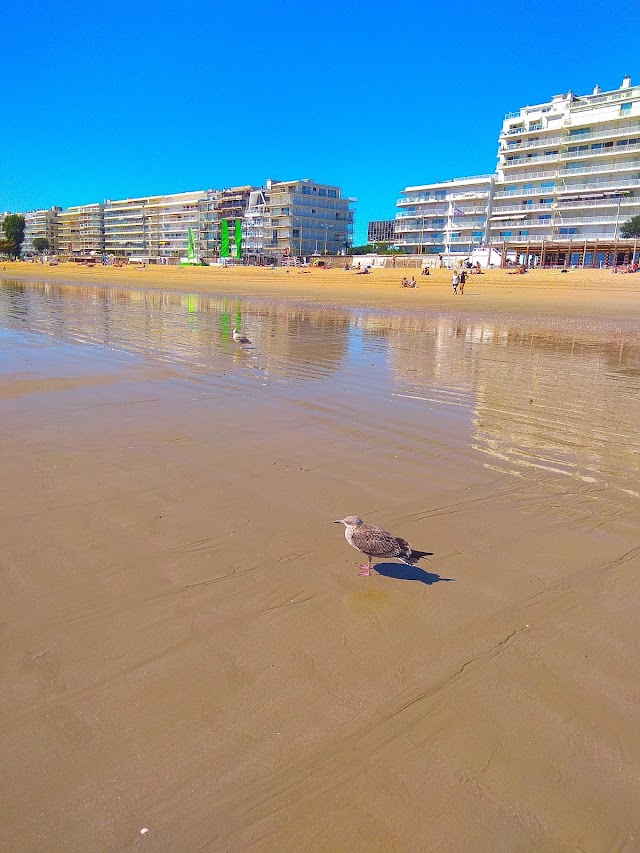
(239, 338)
(375, 542)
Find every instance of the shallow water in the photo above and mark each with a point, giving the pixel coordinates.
(556, 400)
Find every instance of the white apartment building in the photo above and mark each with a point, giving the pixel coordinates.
(81, 230)
(444, 218)
(569, 169)
(152, 228)
(41, 224)
(568, 176)
(301, 218)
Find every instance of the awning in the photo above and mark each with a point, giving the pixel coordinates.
(511, 216)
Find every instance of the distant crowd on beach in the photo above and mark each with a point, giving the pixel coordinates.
(634, 267)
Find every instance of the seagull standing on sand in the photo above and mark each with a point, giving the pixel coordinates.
(239, 338)
(375, 542)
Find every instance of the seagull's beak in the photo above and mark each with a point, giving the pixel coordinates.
(338, 521)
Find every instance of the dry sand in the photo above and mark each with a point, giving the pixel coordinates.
(186, 646)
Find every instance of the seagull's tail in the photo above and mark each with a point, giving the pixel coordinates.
(414, 556)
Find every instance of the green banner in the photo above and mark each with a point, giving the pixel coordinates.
(224, 239)
(238, 238)
(191, 246)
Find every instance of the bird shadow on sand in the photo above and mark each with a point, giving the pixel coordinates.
(402, 572)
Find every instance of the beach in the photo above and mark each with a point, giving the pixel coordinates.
(186, 646)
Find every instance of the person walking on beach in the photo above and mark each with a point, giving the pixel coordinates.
(455, 281)
(463, 278)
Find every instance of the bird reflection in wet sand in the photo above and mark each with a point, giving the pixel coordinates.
(239, 338)
(375, 542)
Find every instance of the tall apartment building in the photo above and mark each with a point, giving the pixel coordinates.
(40, 224)
(381, 231)
(568, 174)
(152, 227)
(230, 203)
(569, 169)
(444, 217)
(81, 230)
(300, 218)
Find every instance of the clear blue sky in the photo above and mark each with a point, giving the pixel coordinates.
(116, 99)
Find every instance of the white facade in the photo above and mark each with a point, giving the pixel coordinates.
(445, 218)
(153, 227)
(569, 170)
(41, 224)
(301, 218)
(81, 230)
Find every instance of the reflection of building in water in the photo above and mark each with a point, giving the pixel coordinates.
(186, 329)
(542, 399)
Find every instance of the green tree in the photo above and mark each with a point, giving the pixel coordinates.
(13, 227)
(631, 228)
(40, 244)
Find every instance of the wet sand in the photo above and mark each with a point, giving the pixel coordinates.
(186, 646)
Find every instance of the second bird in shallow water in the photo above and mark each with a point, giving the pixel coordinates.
(239, 338)
(375, 542)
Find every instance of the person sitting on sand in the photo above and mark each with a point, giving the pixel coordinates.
(404, 282)
(412, 283)
(425, 271)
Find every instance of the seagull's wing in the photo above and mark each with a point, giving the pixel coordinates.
(375, 542)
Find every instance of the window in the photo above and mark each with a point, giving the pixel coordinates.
(322, 191)
(333, 194)
(568, 231)
(305, 190)
(524, 233)
(506, 233)
(625, 109)
(579, 131)
(296, 232)
(543, 217)
(547, 185)
(440, 195)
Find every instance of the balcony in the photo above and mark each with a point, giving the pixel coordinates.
(599, 202)
(614, 151)
(605, 219)
(531, 176)
(522, 191)
(603, 186)
(418, 199)
(611, 132)
(406, 228)
(520, 208)
(523, 145)
(529, 161)
(442, 211)
(604, 168)
(521, 223)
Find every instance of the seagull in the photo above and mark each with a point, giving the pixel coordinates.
(375, 542)
(239, 338)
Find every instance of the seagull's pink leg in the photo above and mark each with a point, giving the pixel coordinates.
(365, 571)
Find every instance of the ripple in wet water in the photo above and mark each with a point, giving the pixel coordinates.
(559, 401)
